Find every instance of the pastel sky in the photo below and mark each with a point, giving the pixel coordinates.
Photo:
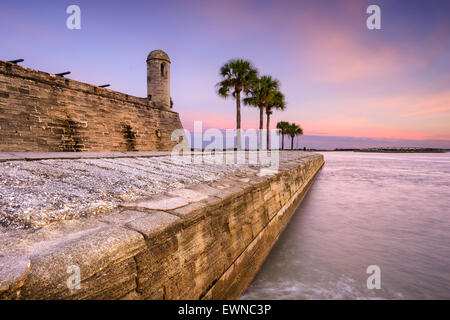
(343, 83)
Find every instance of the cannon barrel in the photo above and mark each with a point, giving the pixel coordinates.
(62, 74)
(16, 61)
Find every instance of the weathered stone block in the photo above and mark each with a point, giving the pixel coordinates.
(94, 253)
(13, 273)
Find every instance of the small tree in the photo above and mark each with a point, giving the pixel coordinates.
(294, 130)
(283, 126)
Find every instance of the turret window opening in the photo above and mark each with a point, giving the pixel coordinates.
(163, 71)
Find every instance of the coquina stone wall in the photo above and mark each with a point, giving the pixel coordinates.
(206, 241)
(46, 113)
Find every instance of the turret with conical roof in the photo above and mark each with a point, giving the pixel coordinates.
(158, 78)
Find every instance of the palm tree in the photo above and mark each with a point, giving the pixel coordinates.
(277, 102)
(282, 125)
(294, 130)
(260, 94)
(237, 74)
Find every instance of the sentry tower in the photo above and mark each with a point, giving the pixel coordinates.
(158, 78)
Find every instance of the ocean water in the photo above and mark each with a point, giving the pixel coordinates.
(385, 209)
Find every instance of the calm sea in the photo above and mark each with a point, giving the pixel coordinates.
(383, 209)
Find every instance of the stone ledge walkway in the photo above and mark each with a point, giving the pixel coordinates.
(64, 186)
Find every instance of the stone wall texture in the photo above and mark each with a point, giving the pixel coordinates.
(41, 112)
(206, 241)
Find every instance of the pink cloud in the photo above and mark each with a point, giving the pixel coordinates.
(428, 111)
(336, 55)
(430, 104)
(414, 116)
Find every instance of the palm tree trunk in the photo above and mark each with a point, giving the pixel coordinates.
(292, 142)
(268, 131)
(238, 119)
(261, 126)
(282, 141)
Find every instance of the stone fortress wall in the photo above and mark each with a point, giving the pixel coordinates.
(42, 112)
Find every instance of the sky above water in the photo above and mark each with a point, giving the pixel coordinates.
(345, 85)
